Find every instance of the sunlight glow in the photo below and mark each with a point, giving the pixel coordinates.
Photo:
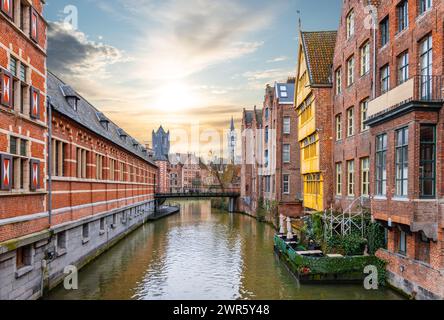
(174, 97)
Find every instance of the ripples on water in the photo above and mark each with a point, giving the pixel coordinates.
(200, 254)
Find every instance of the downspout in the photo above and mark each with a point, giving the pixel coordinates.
(374, 18)
(49, 160)
(46, 260)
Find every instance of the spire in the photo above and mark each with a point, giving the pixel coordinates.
(232, 124)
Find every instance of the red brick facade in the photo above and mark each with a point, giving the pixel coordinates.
(270, 168)
(104, 189)
(163, 185)
(351, 98)
(23, 120)
(23, 142)
(417, 268)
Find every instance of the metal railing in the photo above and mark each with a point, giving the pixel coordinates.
(428, 88)
(197, 192)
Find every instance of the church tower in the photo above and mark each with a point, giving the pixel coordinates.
(232, 139)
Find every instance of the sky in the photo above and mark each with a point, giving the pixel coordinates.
(189, 65)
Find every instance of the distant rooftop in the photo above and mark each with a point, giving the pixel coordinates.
(285, 92)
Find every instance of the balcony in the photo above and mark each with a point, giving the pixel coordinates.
(418, 92)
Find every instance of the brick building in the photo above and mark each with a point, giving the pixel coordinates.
(270, 154)
(82, 183)
(353, 80)
(314, 113)
(406, 128)
(22, 119)
(247, 162)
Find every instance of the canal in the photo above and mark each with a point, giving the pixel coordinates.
(201, 253)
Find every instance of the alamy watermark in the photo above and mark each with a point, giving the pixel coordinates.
(71, 281)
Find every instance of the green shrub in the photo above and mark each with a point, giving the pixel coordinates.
(353, 244)
(375, 237)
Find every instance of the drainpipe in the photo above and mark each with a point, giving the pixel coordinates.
(49, 166)
(374, 18)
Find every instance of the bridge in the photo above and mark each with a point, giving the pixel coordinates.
(232, 194)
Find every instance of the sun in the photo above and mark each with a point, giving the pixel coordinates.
(174, 97)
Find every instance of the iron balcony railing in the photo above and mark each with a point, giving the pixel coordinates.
(428, 88)
(425, 89)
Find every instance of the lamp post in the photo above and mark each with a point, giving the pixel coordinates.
(289, 229)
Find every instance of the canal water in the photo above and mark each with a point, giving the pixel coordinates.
(201, 253)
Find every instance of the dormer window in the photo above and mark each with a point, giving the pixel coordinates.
(71, 96)
(122, 134)
(104, 122)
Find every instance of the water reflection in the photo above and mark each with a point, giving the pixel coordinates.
(200, 254)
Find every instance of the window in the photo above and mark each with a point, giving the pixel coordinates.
(364, 109)
(61, 241)
(338, 76)
(365, 58)
(267, 113)
(287, 125)
(351, 178)
(266, 134)
(309, 147)
(312, 184)
(23, 72)
(338, 179)
(58, 158)
(18, 12)
(99, 167)
(21, 166)
(385, 78)
(111, 169)
(121, 171)
(286, 184)
(266, 158)
(384, 31)
(365, 176)
(338, 127)
(426, 62)
(424, 5)
(402, 242)
(403, 67)
(82, 156)
(381, 165)
(427, 161)
(306, 110)
(13, 66)
(350, 122)
(286, 153)
(102, 224)
(24, 257)
(350, 28)
(401, 162)
(403, 15)
(267, 184)
(85, 231)
(350, 71)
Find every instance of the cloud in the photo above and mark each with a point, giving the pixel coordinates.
(278, 59)
(72, 54)
(193, 35)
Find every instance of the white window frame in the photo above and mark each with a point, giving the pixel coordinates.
(350, 122)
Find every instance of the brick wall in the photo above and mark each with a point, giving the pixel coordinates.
(32, 54)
